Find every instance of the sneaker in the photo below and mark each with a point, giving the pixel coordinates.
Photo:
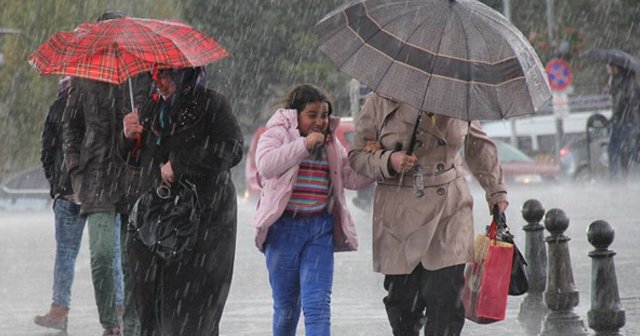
(112, 332)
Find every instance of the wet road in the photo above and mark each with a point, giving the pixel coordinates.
(27, 246)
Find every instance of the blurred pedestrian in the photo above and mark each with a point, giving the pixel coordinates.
(422, 223)
(92, 121)
(302, 216)
(188, 134)
(625, 120)
(69, 225)
(68, 222)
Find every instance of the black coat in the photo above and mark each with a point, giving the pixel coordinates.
(626, 99)
(92, 122)
(51, 150)
(204, 142)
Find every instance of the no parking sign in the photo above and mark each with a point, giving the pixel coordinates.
(559, 74)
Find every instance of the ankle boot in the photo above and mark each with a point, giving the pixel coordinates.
(56, 318)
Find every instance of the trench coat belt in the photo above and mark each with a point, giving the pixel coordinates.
(429, 180)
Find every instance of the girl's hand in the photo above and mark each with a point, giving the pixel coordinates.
(401, 162)
(372, 146)
(314, 139)
(131, 125)
(166, 172)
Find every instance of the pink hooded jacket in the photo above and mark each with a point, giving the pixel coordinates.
(280, 150)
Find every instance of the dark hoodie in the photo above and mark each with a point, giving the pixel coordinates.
(51, 154)
(626, 98)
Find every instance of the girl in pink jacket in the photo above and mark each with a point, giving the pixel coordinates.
(302, 216)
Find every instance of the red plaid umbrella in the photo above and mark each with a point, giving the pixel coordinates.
(114, 50)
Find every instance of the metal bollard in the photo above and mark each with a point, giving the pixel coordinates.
(532, 308)
(606, 316)
(560, 295)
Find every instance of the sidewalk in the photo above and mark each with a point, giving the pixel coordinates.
(28, 248)
(357, 308)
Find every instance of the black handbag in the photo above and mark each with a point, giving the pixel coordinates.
(519, 283)
(166, 219)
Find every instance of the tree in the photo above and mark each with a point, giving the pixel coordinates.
(272, 48)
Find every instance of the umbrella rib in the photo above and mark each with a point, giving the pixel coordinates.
(516, 34)
(468, 51)
(393, 61)
(389, 53)
(466, 44)
(446, 55)
(364, 42)
(426, 92)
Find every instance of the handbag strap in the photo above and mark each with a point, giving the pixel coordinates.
(493, 229)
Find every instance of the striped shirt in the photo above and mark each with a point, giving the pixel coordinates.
(311, 190)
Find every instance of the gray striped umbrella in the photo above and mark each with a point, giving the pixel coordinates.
(458, 58)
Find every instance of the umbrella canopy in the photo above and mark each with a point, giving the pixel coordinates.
(114, 50)
(458, 58)
(614, 56)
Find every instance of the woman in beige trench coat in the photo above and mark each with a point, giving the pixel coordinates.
(423, 232)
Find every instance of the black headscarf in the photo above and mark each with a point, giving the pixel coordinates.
(111, 15)
(186, 79)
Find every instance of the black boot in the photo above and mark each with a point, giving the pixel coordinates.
(404, 323)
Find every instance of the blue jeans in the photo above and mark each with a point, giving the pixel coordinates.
(299, 256)
(69, 227)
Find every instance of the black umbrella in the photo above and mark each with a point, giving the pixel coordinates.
(614, 56)
(458, 58)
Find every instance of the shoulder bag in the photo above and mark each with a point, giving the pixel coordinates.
(165, 219)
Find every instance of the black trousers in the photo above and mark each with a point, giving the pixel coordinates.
(186, 297)
(429, 299)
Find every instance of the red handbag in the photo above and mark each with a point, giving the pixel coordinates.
(486, 287)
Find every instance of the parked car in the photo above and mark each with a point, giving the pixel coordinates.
(30, 181)
(25, 190)
(519, 168)
(344, 134)
(574, 159)
(586, 158)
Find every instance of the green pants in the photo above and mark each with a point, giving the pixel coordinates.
(102, 250)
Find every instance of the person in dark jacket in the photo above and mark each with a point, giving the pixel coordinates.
(68, 222)
(188, 133)
(92, 121)
(625, 121)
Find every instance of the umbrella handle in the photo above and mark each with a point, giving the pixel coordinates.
(131, 94)
(137, 137)
(412, 141)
